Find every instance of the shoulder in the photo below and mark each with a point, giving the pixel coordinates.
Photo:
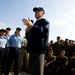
(12, 35)
(54, 56)
(43, 20)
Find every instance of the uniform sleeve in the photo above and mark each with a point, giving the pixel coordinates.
(22, 42)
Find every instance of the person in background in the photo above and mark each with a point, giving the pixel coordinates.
(7, 34)
(3, 43)
(71, 65)
(15, 42)
(49, 63)
(26, 56)
(37, 44)
(7, 37)
(68, 48)
(61, 63)
(57, 46)
(23, 51)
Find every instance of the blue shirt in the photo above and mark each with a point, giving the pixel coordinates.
(16, 41)
(7, 37)
(3, 42)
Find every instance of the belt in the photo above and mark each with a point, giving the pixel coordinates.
(15, 48)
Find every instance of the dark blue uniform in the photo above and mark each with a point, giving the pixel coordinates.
(38, 37)
(37, 45)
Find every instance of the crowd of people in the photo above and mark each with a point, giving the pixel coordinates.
(32, 53)
(60, 59)
(11, 48)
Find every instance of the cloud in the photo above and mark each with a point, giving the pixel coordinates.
(65, 19)
(61, 22)
(70, 13)
(2, 25)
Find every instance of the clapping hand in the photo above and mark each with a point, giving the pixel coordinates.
(27, 22)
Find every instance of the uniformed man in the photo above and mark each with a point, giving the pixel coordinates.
(37, 41)
(3, 43)
(15, 42)
(57, 46)
(68, 48)
(71, 65)
(61, 63)
(7, 36)
(24, 59)
(49, 63)
(23, 51)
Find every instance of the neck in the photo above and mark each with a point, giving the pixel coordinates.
(2, 35)
(6, 34)
(39, 18)
(17, 34)
(62, 55)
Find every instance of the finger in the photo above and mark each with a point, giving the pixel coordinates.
(29, 19)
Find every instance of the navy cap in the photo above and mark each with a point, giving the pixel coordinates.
(58, 37)
(2, 30)
(18, 28)
(38, 8)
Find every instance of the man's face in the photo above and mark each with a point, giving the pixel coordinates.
(62, 52)
(38, 14)
(2, 33)
(18, 32)
(58, 39)
(50, 52)
(7, 31)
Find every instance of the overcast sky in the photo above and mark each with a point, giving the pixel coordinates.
(60, 14)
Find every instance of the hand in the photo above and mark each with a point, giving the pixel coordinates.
(27, 22)
(46, 64)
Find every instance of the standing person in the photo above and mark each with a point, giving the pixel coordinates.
(7, 36)
(37, 41)
(15, 42)
(57, 47)
(3, 43)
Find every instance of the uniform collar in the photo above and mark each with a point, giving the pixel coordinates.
(40, 18)
(7, 35)
(16, 35)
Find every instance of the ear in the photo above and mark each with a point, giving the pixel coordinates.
(43, 13)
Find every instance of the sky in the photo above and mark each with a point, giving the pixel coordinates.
(60, 14)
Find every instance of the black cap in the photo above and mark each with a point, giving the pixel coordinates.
(38, 8)
(58, 37)
(2, 30)
(18, 28)
(8, 28)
